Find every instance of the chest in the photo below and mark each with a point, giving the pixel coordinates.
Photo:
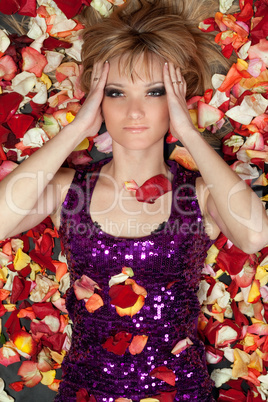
(120, 214)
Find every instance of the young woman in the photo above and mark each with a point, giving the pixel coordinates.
(137, 263)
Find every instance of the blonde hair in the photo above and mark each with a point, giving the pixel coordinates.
(168, 29)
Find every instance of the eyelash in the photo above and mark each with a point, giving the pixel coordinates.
(114, 93)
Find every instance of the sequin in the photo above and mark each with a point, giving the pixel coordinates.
(168, 265)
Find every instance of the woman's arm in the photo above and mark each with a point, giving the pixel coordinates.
(33, 190)
(231, 204)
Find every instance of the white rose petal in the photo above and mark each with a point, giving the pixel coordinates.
(4, 41)
(24, 82)
(35, 137)
(4, 397)
(226, 333)
(54, 59)
(64, 283)
(218, 99)
(251, 106)
(63, 25)
(16, 244)
(118, 279)
(41, 97)
(102, 6)
(221, 376)
(202, 291)
(217, 80)
(38, 43)
(225, 5)
(229, 354)
(243, 51)
(35, 31)
(10, 279)
(75, 50)
(263, 378)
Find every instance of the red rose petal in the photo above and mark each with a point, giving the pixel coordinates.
(164, 374)
(20, 123)
(153, 189)
(9, 103)
(71, 8)
(13, 323)
(20, 289)
(167, 396)
(118, 344)
(54, 342)
(16, 386)
(82, 395)
(9, 7)
(231, 260)
(53, 43)
(231, 395)
(42, 260)
(123, 296)
(28, 7)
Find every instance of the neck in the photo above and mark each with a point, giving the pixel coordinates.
(139, 165)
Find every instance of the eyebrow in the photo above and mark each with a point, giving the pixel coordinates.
(115, 84)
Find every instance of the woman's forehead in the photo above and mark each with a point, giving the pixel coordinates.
(140, 67)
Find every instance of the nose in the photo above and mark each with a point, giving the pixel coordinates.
(136, 109)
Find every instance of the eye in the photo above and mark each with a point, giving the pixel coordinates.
(113, 93)
(157, 92)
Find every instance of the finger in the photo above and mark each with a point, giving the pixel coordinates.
(181, 83)
(104, 75)
(95, 76)
(167, 79)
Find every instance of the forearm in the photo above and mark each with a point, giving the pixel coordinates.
(21, 189)
(237, 205)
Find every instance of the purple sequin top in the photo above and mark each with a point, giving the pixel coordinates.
(167, 264)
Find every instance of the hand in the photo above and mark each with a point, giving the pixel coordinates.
(180, 120)
(89, 118)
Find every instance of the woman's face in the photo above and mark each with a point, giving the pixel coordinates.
(136, 110)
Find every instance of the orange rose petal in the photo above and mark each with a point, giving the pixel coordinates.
(94, 303)
(31, 376)
(139, 290)
(137, 344)
(183, 157)
(55, 385)
(4, 294)
(27, 312)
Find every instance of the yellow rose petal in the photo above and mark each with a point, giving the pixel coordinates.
(83, 145)
(212, 254)
(21, 260)
(70, 117)
(46, 80)
(48, 377)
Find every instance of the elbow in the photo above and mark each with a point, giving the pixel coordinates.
(255, 242)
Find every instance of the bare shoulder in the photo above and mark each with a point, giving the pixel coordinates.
(62, 181)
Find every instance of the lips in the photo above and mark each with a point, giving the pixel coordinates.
(136, 129)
